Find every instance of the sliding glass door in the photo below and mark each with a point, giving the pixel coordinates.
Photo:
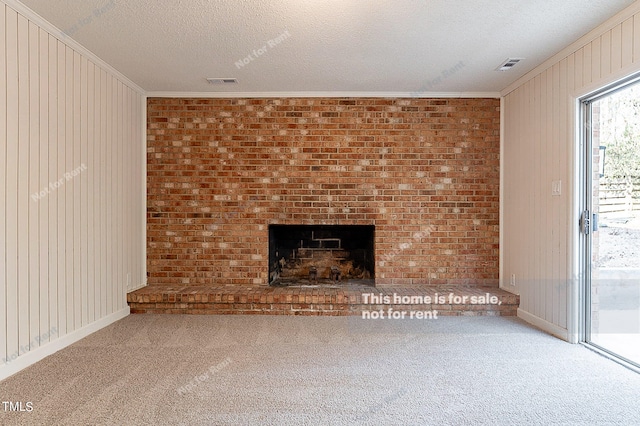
(610, 222)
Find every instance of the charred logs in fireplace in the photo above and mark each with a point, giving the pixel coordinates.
(335, 274)
(313, 274)
(313, 253)
(312, 265)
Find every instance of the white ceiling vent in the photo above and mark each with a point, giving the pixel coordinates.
(222, 80)
(508, 64)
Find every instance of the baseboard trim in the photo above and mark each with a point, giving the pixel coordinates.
(31, 357)
(544, 325)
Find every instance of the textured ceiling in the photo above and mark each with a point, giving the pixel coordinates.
(411, 46)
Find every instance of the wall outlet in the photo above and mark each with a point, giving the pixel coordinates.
(513, 280)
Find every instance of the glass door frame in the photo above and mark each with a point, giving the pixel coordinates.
(585, 200)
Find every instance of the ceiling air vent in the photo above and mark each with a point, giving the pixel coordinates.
(508, 64)
(222, 80)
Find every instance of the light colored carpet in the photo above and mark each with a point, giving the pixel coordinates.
(270, 370)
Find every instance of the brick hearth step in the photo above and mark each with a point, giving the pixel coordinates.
(367, 301)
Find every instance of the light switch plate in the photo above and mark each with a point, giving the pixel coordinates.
(556, 188)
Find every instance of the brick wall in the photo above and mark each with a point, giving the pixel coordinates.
(425, 172)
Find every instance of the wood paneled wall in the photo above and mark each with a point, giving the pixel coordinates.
(71, 189)
(541, 145)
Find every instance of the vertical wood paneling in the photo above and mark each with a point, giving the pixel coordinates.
(109, 190)
(559, 301)
(557, 135)
(626, 43)
(528, 214)
(516, 206)
(126, 164)
(34, 182)
(90, 302)
(115, 188)
(71, 228)
(578, 68)
(133, 156)
(117, 231)
(545, 266)
(542, 169)
(98, 165)
(53, 168)
(11, 32)
(43, 204)
(61, 191)
(596, 58)
(563, 286)
(68, 187)
(616, 49)
(556, 140)
(104, 259)
(636, 38)
(76, 197)
(82, 187)
(519, 206)
(23, 181)
(605, 53)
(3, 182)
(534, 192)
(587, 75)
(522, 196)
(550, 153)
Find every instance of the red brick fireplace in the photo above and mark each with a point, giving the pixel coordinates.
(424, 172)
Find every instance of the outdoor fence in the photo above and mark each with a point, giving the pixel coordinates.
(620, 195)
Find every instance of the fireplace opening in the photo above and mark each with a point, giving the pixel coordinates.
(315, 254)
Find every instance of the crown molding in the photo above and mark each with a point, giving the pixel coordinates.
(32, 16)
(327, 94)
(607, 25)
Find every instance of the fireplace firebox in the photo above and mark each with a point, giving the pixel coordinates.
(300, 254)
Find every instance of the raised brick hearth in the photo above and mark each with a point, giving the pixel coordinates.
(320, 300)
(223, 174)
